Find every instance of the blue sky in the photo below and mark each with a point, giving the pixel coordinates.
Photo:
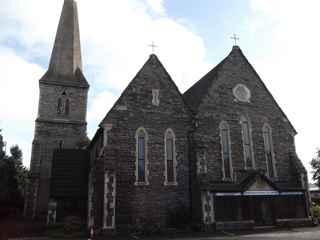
(279, 37)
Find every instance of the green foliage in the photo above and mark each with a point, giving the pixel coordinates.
(22, 173)
(315, 209)
(315, 164)
(58, 230)
(13, 177)
(73, 224)
(2, 144)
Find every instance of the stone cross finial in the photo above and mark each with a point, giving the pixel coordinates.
(235, 38)
(153, 47)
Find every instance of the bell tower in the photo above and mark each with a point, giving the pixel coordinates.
(61, 120)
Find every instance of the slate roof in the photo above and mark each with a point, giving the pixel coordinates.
(69, 174)
(196, 93)
(153, 64)
(247, 181)
(297, 164)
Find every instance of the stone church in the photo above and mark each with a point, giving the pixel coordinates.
(221, 155)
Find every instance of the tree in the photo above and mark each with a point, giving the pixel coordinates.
(2, 144)
(22, 173)
(13, 179)
(315, 164)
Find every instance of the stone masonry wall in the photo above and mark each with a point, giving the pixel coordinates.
(149, 204)
(221, 105)
(50, 129)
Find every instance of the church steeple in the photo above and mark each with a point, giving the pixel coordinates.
(61, 119)
(66, 54)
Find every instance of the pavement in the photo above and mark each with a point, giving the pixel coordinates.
(311, 233)
(292, 234)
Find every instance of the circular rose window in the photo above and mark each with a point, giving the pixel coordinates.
(242, 93)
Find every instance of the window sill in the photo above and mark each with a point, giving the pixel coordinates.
(141, 183)
(170, 184)
(227, 180)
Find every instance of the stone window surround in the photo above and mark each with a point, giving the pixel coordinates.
(35, 198)
(266, 125)
(222, 124)
(107, 176)
(155, 97)
(63, 105)
(67, 107)
(202, 162)
(207, 208)
(239, 98)
(59, 106)
(243, 119)
(106, 128)
(146, 182)
(90, 221)
(166, 183)
(60, 144)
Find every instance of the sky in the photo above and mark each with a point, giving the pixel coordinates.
(279, 37)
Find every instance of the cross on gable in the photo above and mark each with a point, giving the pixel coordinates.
(153, 47)
(235, 38)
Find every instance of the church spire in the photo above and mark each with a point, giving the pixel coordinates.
(66, 54)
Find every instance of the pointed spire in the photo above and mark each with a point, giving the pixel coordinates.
(66, 54)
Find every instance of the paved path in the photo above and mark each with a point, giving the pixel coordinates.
(295, 234)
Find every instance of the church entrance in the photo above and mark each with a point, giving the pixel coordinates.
(260, 209)
(263, 211)
(261, 204)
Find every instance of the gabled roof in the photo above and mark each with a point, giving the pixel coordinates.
(297, 164)
(248, 179)
(195, 94)
(253, 177)
(151, 67)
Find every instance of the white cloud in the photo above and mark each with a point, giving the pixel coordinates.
(100, 105)
(19, 87)
(115, 37)
(18, 99)
(156, 6)
(290, 70)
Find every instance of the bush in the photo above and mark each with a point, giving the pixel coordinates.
(72, 227)
(73, 224)
(315, 209)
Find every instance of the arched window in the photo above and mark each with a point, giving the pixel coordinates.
(67, 107)
(247, 143)
(60, 144)
(141, 156)
(59, 106)
(97, 150)
(225, 150)
(170, 158)
(268, 148)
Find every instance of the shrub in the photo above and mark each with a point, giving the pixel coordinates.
(315, 209)
(72, 224)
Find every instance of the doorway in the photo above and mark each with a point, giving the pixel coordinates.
(263, 211)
